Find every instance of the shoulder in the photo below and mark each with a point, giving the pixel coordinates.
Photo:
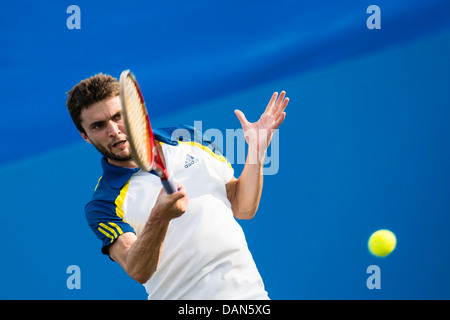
(102, 203)
(109, 192)
(104, 214)
(186, 135)
(190, 145)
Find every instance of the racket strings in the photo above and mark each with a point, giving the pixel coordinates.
(137, 120)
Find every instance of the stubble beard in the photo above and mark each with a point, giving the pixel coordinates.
(109, 155)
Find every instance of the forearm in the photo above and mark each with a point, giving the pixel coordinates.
(248, 189)
(143, 256)
(244, 193)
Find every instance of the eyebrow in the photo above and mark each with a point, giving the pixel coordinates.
(102, 122)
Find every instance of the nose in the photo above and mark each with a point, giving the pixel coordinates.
(113, 129)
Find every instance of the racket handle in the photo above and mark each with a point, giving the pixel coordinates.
(169, 185)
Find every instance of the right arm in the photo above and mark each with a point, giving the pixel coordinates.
(139, 256)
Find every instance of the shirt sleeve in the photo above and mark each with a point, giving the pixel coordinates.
(106, 224)
(225, 168)
(222, 165)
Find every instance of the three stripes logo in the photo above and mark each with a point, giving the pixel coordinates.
(111, 230)
(190, 160)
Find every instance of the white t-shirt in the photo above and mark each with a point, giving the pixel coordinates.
(205, 254)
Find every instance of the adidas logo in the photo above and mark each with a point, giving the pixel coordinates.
(190, 160)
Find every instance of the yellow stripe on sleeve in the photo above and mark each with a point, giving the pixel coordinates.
(118, 229)
(120, 200)
(106, 234)
(112, 231)
(109, 229)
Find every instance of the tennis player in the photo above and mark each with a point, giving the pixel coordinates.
(186, 245)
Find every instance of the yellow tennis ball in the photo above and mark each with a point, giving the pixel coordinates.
(382, 242)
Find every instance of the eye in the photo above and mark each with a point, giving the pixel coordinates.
(97, 125)
(117, 116)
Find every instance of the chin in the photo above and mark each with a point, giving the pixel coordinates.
(124, 155)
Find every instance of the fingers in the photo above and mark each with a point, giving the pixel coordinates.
(180, 193)
(173, 197)
(241, 117)
(170, 206)
(276, 106)
(278, 110)
(279, 120)
(274, 111)
(279, 101)
(280, 105)
(271, 103)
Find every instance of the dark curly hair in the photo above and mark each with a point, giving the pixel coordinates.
(89, 91)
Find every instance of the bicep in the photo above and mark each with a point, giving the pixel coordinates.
(118, 250)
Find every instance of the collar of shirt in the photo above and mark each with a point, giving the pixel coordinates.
(115, 176)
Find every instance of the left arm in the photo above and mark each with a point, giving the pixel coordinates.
(245, 193)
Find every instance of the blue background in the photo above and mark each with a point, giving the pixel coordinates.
(365, 144)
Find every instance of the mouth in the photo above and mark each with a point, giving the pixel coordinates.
(119, 143)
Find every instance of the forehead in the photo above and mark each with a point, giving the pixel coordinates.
(101, 111)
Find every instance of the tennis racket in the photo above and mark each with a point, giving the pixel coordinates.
(139, 131)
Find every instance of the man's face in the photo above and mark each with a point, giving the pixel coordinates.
(105, 129)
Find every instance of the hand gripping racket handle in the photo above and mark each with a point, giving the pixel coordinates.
(169, 185)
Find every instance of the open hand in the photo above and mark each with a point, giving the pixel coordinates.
(258, 134)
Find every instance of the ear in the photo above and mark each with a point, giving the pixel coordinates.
(85, 137)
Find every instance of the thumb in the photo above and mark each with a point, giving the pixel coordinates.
(241, 117)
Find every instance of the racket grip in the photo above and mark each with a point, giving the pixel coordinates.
(169, 185)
